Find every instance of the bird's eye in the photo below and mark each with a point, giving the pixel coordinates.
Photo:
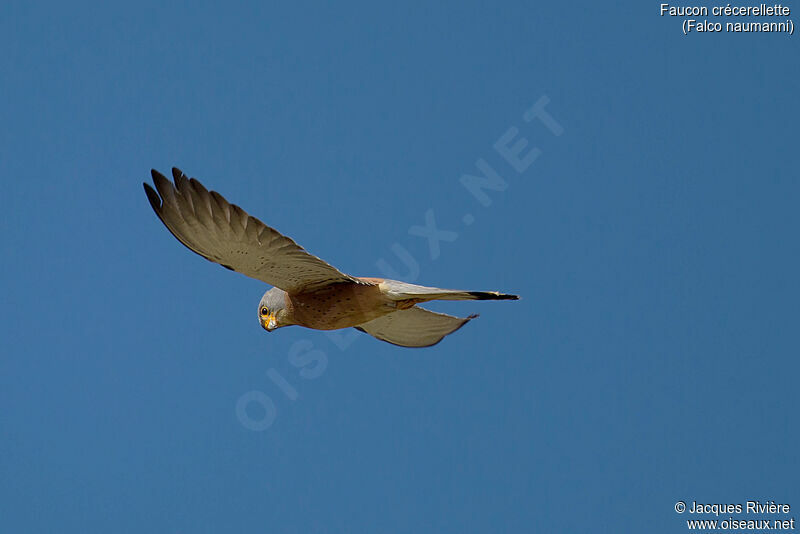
(264, 312)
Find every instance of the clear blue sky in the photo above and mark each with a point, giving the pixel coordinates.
(653, 357)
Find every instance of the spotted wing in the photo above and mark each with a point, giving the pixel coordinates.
(414, 327)
(224, 233)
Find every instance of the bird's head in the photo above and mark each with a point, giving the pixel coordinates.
(272, 310)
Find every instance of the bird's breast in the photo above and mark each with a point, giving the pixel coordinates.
(339, 306)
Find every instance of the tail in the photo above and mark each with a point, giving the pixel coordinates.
(403, 291)
(478, 295)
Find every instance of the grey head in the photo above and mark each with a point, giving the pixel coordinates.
(272, 312)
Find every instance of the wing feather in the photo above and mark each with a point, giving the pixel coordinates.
(224, 233)
(414, 327)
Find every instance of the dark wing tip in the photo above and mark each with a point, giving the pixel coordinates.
(152, 196)
(176, 174)
(156, 175)
(473, 316)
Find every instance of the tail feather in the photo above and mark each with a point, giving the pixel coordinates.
(403, 291)
(490, 295)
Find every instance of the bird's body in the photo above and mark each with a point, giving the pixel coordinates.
(308, 292)
(338, 306)
(346, 305)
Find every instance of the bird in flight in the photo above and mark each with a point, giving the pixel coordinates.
(307, 291)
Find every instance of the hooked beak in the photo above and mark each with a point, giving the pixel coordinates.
(269, 323)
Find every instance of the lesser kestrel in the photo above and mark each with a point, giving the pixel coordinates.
(307, 291)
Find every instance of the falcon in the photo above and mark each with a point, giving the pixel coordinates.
(307, 291)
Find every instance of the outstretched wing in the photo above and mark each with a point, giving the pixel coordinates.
(414, 327)
(224, 233)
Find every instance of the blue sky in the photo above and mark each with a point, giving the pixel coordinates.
(652, 358)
